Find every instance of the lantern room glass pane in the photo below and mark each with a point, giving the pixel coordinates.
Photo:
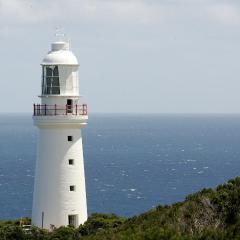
(51, 80)
(55, 71)
(43, 80)
(49, 71)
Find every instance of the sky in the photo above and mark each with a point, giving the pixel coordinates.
(136, 56)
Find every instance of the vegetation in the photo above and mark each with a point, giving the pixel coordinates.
(211, 214)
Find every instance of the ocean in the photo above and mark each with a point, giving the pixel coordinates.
(133, 162)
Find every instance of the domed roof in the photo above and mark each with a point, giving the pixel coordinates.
(60, 55)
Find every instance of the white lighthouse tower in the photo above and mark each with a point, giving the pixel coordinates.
(59, 197)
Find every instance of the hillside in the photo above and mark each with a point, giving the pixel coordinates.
(208, 214)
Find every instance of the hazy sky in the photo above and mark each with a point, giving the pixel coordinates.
(161, 56)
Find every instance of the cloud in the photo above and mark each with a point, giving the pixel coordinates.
(116, 11)
(225, 13)
(132, 11)
(25, 11)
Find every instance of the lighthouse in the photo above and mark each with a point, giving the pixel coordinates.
(59, 197)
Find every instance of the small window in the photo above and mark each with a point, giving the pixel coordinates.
(70, 161)
(72, 188)
(70, 138)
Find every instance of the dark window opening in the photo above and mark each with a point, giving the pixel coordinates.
(71, 161)
(72, 188)
(70, 138)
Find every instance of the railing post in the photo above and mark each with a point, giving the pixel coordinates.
(55, 109)
(45, 109)
(34, 109)
(84, 109)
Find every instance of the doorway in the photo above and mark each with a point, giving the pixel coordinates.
(69, 105)
(73, 220)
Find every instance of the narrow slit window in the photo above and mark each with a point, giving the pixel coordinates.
(72, 188)
(70, 138)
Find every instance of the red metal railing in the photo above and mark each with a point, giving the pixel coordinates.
(53, 110)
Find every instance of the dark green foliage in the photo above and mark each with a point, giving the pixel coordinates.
(97, 222)
(65, 233)
(211, 214)
(11, 232)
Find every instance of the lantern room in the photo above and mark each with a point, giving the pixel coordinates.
(60, 83)
(60, 71)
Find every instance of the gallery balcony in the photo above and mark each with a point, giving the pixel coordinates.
(57, 110)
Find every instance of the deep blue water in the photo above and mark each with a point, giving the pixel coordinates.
(132, 162)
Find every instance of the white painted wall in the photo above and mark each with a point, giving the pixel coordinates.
(68, 79)
(54, 175)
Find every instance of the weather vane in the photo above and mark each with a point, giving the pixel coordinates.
(59, 33)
